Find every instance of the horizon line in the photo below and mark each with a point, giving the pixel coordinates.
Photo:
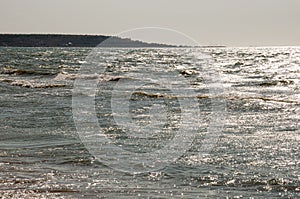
(93, 34)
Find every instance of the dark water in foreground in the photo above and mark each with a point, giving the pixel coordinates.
(257, 154)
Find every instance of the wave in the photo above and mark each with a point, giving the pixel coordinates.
(104, 78)
(67, 76)
(260, 184)
(153, 95)
(265, 83)
(28, 84)
(276, 83)
(58, 81)
(262, 98)
(19, 72)
(160, 95)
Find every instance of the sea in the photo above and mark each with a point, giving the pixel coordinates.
(150, 122)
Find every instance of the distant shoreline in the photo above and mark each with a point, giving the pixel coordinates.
(61, 40)
(71, 40)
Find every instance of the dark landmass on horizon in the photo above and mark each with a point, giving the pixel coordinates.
(68, 40)
(61, 40)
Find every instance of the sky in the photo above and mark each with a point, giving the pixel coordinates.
(209, 22)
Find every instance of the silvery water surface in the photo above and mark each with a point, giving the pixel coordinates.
(257, 154)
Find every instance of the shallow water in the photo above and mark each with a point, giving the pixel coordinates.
(256, 153)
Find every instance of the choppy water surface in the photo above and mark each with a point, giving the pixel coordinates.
(257, 154)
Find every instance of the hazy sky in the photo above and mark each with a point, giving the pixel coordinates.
(210, 22)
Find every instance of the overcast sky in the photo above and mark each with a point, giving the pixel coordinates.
(209, 22)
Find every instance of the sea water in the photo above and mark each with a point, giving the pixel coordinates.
(255, 154)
